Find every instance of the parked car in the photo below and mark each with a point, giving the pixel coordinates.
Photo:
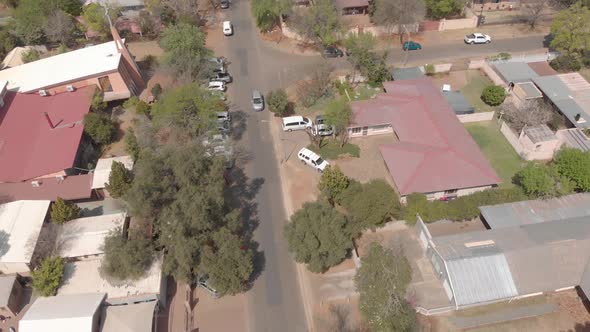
(319, 119)
(310, 158)
(257, 101)
(220, 145)
(216, 86)
(203, 281)
(322, 130)
(218, 61)
(224, 4)
(218, 70)
(411, 46)
(333, 52)
(477, 38)
(296, 122)
(221, 76)
(228, 28)
(223, 117)
(224, 127)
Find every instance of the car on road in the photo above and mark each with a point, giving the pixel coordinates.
(228, 28)
(224, 4)
(477, 38)
(322, 130)
(296, 122)
(257, 101)
(222, 77)
(332, 52)
(411, 46)
(310, 158)
(216, 86)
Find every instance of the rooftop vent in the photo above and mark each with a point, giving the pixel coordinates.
(43, 93)
(70, 88)
(479, 243)
(36, 184)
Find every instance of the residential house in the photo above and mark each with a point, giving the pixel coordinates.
(20, 227)
(14, 57)
(10, 295)
(70, 188)
(434, 154)
(538, 143)
(75, 312)
(532, 247)
(352, 7)
(102, 173)
(40, 135)
(108, 66)
(84, 237)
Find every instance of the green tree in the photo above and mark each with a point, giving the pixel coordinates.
(97, 104)
(131, 145)
(99, 127)
(320, 24)
(62, 211)
(439, 9)
(47, 276)
(278, 102)
(381, 281)
(338, 114)
(185, 52)
(126, 259)
(571, 30)
(189, 108)
(370, 205)
(119, 180)
(7, 42)
(267, 13)
(94, 16)
(536, 180)
(318, 235)
(228, 262)
(574, 165)
(60, 28)
(396, 14)
(361, 49)
(493, 95)
(30, 56)
(332, 184)
(156, 90)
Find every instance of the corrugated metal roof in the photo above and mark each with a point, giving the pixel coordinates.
(513, 72)
(536, 211)
(481, 279)
(407, 73)
(563, 98)
(540, 133)
(458, 102)
(574, 138)
(530, 90)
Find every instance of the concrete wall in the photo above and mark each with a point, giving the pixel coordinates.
(443, 67)
(460, 23)
(488, 70)
(502, 5)
(475, 117)
(118, 84)
(538, 151)
(512, 138)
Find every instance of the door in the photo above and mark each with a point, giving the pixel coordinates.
(365, 131)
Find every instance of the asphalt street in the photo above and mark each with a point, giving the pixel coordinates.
(275, 302)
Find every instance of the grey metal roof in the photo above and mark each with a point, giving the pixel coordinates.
(407, 73)
(481, 279)
(513, 72)
(540, 133)
(6, 285)
(536, 211)
(563, 98)
(458, 102)
(64, 306)
(574, 138)
(530, 90)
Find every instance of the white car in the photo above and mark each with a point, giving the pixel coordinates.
(309, 157)
(322, 129)
(228, 28)
(216, 86)
(477, 38)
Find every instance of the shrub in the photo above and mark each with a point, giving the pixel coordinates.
(47, 276)
(142, 108)
(30, 56)
(99, 127)
(126, 258)
(429, 69)
(278, 102)
(536, 180)
(342, 87)
(131, 102)
(119, 180)
(156, 90)
(566, 63)
(574, 165)
(332, 184)
(493, 95)
(97, 104)
(131, 145)
(62, 211)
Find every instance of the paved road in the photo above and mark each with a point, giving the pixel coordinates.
(275, 301)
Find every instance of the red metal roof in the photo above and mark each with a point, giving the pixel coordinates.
(29, 147)
(434, 152)
(542, 68)
(71, 188)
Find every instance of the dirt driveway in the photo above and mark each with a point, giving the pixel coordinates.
(370, 165)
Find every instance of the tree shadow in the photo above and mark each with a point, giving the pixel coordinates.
(238, 124)
(579, 327)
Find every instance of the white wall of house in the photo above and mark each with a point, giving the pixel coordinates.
(434, 196)
(369, 130)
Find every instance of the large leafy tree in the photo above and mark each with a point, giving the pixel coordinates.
(60, 27)
(574, 165)
(381, 281)
(278, 102)
(571, 30)
(126, 259)
(318, 235)
(536, 180)
(361, 49)
(31, 16)
(397, 13)
(119, 180)
(185, 52)
(99, 127)
(47, 276)
(320, 24)
(439, 9)
(338, 114)
(267, 13)
(95, 17)
(332, 184)
(62, 211)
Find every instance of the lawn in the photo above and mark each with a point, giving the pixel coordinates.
(364, 92)
(476, 82)
(331, 149)
(496, 148)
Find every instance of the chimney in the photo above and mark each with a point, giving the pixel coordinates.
(577, 117)
(48, 120)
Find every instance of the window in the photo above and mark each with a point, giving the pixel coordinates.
(450, 192)
(105, 84)
(538, 146)
(356, 130)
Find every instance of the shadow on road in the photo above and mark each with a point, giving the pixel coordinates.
(238, 122)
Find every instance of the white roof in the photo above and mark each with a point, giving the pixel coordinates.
(62, 313)
(14, 57)
(20, 225)
(84, 276)
(85, 236)
(103, 170)
(119, 3)
(62, 68)
(136, 317)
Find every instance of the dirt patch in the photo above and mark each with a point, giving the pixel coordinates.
(457, 79)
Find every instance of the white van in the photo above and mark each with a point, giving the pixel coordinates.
(297, 122)
(308, 157)
(228, 29)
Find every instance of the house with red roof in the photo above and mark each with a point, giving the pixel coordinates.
(432, 154)
(40, 135)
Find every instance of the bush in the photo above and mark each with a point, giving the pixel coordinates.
(142, 108)
(30, 56)
(342, 87)
(566, 63)
(62, 211)
(536, 180)
(47, 276)
(97, 104)
(119, 180)
(100, 128)
(131, 102)
(131, 145)
(493, 95)
(574, 165)
(429, 69)
(278, 103)
(332, 184)
(156, 90)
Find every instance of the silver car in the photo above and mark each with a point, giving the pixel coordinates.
(257, 101)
